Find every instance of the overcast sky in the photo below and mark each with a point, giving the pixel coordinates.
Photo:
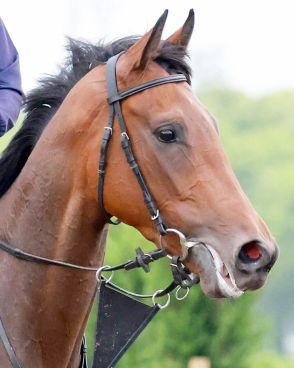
(245, 44)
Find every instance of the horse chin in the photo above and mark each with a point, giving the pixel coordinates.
(215, 278)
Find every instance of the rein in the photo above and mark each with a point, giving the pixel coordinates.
(182, 279)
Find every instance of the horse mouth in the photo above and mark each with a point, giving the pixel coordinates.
(216, 279)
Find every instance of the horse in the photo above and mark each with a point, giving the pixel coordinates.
(49, 181)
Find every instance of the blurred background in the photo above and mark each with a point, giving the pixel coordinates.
(242, 55)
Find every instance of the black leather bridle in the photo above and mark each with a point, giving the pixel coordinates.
(142, 259)
(114, 98)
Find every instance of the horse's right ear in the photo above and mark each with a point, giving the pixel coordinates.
(182, 36)
(145, 49)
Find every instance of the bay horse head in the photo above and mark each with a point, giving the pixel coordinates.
(175, 142)
(177, 145)
(129, 99)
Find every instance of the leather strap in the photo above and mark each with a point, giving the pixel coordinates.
(84, 360)
(114, 98)
(102, 166)
(181, 276)
(141, 87)
(18, 253)
(8, 347)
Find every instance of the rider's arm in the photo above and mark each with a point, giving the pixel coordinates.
(10, 81)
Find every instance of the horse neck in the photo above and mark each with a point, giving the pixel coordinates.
(47, 212)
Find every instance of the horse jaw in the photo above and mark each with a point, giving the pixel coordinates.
(215, 278)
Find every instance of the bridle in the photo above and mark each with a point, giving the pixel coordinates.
(114, 99)
(181, 276)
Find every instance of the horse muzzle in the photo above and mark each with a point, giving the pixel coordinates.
(218, 279)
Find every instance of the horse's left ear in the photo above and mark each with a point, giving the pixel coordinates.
(182, 36)
(145, 48)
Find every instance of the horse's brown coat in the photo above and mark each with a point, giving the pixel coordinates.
(51, 209)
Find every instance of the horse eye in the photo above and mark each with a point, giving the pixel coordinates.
(167, 135)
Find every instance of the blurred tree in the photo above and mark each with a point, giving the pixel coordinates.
(258, 135)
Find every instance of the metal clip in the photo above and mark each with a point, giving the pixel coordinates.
(183, 242)
(161, 306)
(155, 216)
(99, 272)
(124, 134)
(184, 296)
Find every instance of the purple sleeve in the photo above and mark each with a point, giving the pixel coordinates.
(10, 81)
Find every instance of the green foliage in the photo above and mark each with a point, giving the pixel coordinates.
(268, 359)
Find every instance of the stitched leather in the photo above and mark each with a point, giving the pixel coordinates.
(114, 98)
(141, 87)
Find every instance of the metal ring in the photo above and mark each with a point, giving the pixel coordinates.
(109, 128)
(99, 272)
(126, 135)
(183, 296)
(160, 241)
(155, 216)
(183, 241)
(161, 306)
(179, 233)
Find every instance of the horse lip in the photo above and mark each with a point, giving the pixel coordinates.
(210, 270)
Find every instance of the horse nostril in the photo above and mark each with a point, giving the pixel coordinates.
(250, 252)
(256, 256)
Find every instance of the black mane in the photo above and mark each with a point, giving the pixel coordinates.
(42, 102)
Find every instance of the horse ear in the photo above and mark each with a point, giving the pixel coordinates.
(182, 36)
(145, 48)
